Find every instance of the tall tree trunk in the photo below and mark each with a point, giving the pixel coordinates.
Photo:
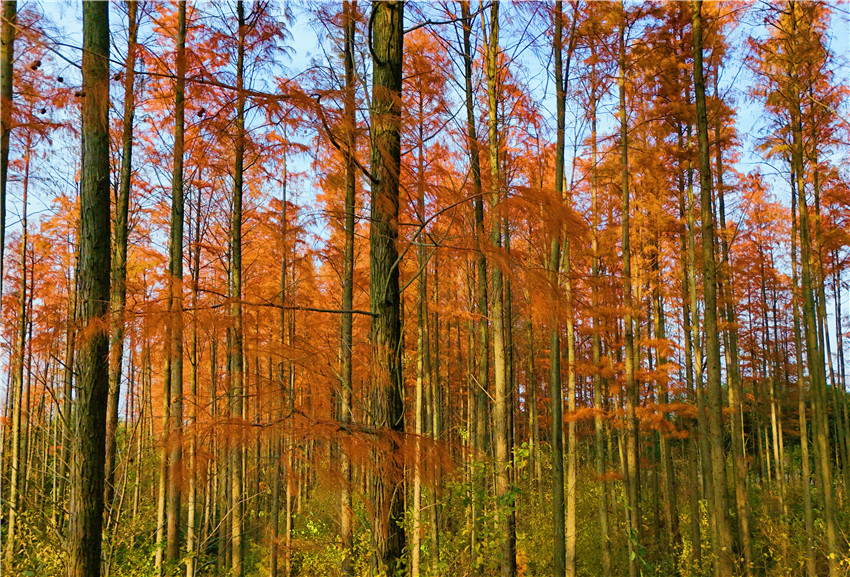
(814, 358)
(175, 302)
(806, 489)
(481, 408)
(668, 498)
(87, 471)
(345, 515)
(556, 442)
(236, 349)
(723, 544)
(565, 268)
(727, 313)
(19, 453)
(67, 393)
(8, 32)
(191, 514)
(685, 250)
(596, 344)
(423, 364)
(436, 426)
(118, 292)
(506, 535)
(385, 298)
(533, 413)
(632, 471)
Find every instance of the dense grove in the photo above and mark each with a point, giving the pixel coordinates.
(447, 288)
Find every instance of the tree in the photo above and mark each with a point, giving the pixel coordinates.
(386, 43)
(87, 470)
(237, 405)
(7, 58)
(118, 288)
(723, 545)
(345, 409)
(632, 473)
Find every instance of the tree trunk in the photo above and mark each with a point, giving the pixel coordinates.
(632, 473)
(18, 405)
(506, 535)
(191, 514)
(436, 426)
(86, 506)
(8, 32)
(814, 354)
(118, 292)
(727, 313)
(723, 545)
(67, 392)
(556, 442)
(345, 515)
(236, 349)
(596, 344)
(693, 443)
(806, 490)
(423, 364)
(668, 498)
(175, 304)
(385, 298)
(481, 408)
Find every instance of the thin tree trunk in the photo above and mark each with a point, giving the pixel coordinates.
(696, 435)
(632, 439)
(668, 498)
(67, 386)
(814, 355)
(18, 459)
(723, 544)
(345, 515)
(236, 350)
(174, 357)
(191, 514)
(533, 416)
(436, 427)
(483, 342)
(727, 313)
(423, 364)
(596, 345)
(118, 292)
(506, 535)
(806, 490)
(556, 442)
(8, 32)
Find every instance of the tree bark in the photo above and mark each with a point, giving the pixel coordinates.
(596, 344)
(632, 471)
(481, 406)
(345, 515)
(236, 349)
(19, 405)
(806, 490)
(175, 303)
(192, 510)
(87, 471)
(8, 32)
(556, 442)
(506, 537)
(723, 544)
(118, 288)
(727, 313)
(386, 42)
